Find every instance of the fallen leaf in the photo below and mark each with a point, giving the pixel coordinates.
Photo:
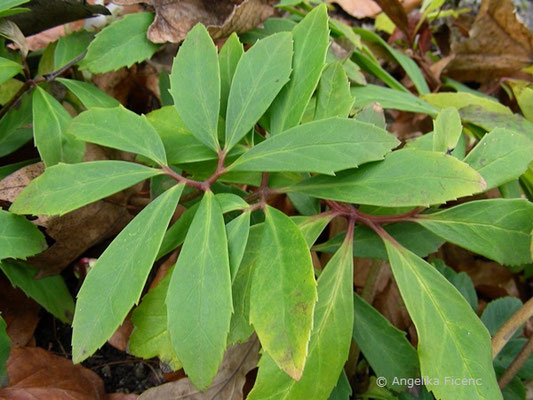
(20, 313)
(370, 8)
(120, 338)
(35, 373)
(498, 45)
(228, 383)
(122, 396)
(174, 18)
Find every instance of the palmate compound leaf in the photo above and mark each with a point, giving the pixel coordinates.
(195, 86)
(405, 178)
(311, 41)
(19, 238)
(8, 69)
(283, 293)
(119, 128)
(50, 122)
(330, 338)
(498, 229)
(66, 187)
(199, 301)
(453, 343)
(323, 146)
(447, 130)
(228, 59)
(501, 156)
(116, 282)
(261, 73)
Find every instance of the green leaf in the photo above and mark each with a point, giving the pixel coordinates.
(461, 100)
(121, 129)
(405, 178)
(5, 347)
(498, 229)
(71, 46)
(447, 130)
(19, 238)
(150, 337)
(51, 292)
(50, 121)
(311, 41)
(462, 282)
(15, 127)
(121, 44)
(240, 328)
(330, 338)
(407, 63)
(230, 202)
(180, 144)
(490, 120)
(311, 227)
(509, 353)
(384, 346)
(199, 302)
(7, 170)
(342, 390)
(261, 73)
(452, 341)
(116, 282)
(390, 98)
(501, 156)
(177, 232)
(333, 95)
(89, 95)
(8, 69)
(499, 311)
(369, 63)
(195, 86)
(228, 58)
(237, 231)
(323, 146)
(283, 293)
(66, 187)
(367, 243)
(7, 4)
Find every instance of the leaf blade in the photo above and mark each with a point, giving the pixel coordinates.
(405, 178)
(452, 339)
(260, 75)
(292, 292)
(199, 300)
(121, 129)
(66, 187)
(119, 276)
(323, 146)
(19, 238)
(197, 98)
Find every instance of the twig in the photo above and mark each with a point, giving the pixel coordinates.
(31, 83)
(506, 332)
(516, 365)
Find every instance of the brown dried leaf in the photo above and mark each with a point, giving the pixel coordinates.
(227, 385)
(120, 338)
(20, 313)
(370, 8)
(174, 18)
(35, 373)
(498, 45)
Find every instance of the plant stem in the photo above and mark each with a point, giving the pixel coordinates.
(516, 365)
(506, 332)
(31, 83)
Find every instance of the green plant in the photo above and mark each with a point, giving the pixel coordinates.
(275, 120)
